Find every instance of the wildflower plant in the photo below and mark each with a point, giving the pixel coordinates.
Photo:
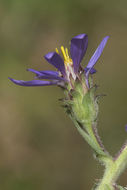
(81, 101)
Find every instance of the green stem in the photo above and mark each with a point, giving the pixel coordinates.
(114, 167)
(113, 170)
(91, 139)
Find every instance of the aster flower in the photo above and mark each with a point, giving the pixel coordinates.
(68, 67)
(81, 102)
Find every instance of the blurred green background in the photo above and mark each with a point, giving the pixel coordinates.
(39, 146)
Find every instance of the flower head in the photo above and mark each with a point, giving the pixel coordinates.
(80, 102)
(68, 67)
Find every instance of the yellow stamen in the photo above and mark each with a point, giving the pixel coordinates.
(67, 53)
(57, 51)
(64, 53)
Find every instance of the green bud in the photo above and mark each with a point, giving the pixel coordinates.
(84, 104)
(81, 104)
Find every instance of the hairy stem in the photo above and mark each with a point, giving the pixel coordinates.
(113, 170)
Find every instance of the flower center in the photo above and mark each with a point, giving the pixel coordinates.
(68, 63)
(67, 59)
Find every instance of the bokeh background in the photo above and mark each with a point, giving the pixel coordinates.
(39, 146)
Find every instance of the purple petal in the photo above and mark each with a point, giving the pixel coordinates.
(53, 75)
(92, 70)
(34, 71)
(33, 82)
(55, 59)
(95, 58)
(78, 48)
(97, 54)
(126, 127)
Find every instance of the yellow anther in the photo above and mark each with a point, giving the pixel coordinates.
(63, 52)
(67, 53)
(57, 51)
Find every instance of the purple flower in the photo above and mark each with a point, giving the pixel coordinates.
(68, 68)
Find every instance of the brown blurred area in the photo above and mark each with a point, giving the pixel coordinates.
(39, 146)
